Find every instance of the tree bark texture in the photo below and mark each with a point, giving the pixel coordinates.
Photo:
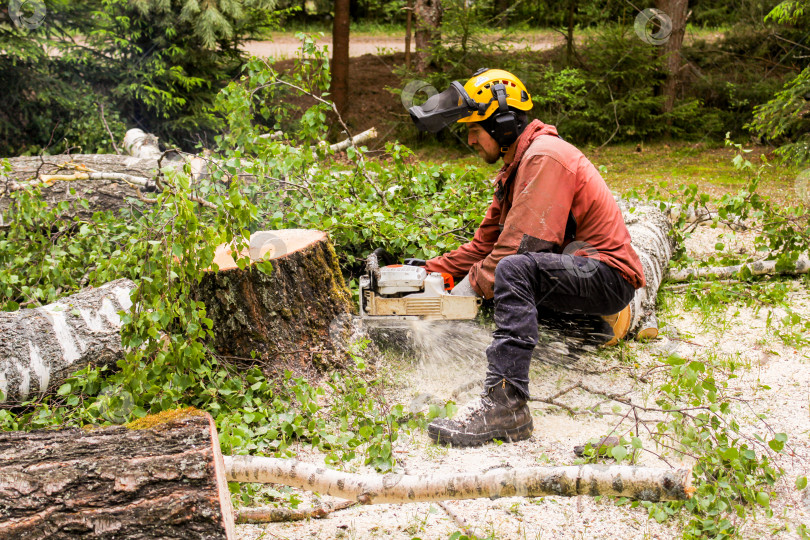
(41, 347)
(286, 315)
(648, 484)
(339, 85)
(649, 232)
(428, 18)
(677, 11)
(160, 477)
(408, 24)
(101, 195)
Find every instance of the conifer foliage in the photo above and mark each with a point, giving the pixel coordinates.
(786, 117)
(156, 64)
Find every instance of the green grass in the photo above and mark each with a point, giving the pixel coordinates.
(707, 164)
(357, 28)
(624, 167)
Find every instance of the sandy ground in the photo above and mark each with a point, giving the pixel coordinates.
(775, 381)
(285, 45)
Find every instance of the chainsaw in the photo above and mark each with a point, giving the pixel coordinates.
(396, 292)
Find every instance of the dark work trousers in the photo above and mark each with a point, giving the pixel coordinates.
(532, 282)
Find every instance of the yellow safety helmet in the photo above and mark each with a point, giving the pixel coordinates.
(483, 86)
(487, 92)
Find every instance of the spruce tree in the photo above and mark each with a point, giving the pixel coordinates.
(786, 117)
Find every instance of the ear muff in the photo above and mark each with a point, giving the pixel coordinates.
(504, 127)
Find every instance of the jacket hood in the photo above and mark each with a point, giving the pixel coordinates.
(535, 129)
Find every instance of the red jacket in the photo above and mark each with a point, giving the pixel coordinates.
(549, 196)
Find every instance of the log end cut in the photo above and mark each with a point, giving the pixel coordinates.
(159, 477)
(268, 245)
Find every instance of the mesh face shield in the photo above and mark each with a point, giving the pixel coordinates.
(443, 109)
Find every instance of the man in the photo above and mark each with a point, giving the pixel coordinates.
(552, 239)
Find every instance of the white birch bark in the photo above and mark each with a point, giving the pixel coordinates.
(759, 268)
(649, 484)
(649, 233)
(41, 347)
(139, 144)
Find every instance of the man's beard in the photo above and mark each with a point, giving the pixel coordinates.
(492, 158)
(488, 158)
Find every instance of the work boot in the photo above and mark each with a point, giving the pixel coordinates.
(620, 323)
(500, 413)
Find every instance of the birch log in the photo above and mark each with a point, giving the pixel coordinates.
(358, 139)
(139, 144)
(108, 181)
(160, 477)
(758, 268)
(40, 348)
(648, 484)
(649, 230)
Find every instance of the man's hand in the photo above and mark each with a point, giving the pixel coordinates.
(414, 262)
(464, 288)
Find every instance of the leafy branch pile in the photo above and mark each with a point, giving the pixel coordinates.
(166, 243)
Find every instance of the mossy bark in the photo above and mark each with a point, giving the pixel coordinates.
(290, 315)
(164, 481)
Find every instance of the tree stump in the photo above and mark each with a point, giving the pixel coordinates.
(41, 347)
(160, 477)
(286, 315)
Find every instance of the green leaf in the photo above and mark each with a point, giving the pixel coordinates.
(730, 453)
(778, 442)
(618, 452)
(801, 482)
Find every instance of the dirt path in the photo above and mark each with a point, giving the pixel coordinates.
(774, 381)
(284, 45)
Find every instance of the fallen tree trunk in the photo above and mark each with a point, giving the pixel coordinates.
(111, 194)
(159, 477)
(297, 314)
(112, 182)
(649, 230)
(641, 483)
(41, 347)
(287, 314)
(759, 268)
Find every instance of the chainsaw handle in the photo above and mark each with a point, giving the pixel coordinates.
(415, 262)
